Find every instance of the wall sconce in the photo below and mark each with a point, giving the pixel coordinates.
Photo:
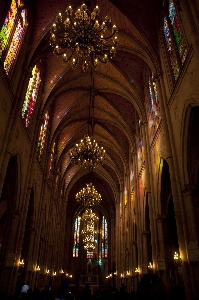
(21, 263)
(55, 273)
(38, 268)
(127, 273)
(70, 276)
(121, 275)
(150, 266)
(47, 272)
(137, 271)
(177, 260)
(62, 272)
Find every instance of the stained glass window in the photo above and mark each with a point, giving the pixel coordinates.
(171, 49)
(42, 134)
(76, 237)
(8, 25)
(31, 95)
(175, 41)
(12, 33)
(51, 159)
(154, 111)
(104, 238)
(89, 254)
(179, 39)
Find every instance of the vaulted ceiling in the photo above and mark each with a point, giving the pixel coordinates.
(118, 89)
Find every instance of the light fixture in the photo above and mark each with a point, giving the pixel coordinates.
(87, 153)
(177, 260)
(88, 196)
(136, 270)
(83, 38)
(150, 266)
(21, 263)
(89, 215)
(89, 244)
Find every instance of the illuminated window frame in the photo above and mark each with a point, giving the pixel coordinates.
(76, 237)
(154, 110)
(42, 135)
(174, 38)
(104, 245)
(12, 33)
(31, 95)
(51, 159)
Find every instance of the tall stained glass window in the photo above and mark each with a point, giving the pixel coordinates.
(104, 238)
(76, 237)
(12, 33)
(175, 41)
(51, 159)
(42, 134)
(154, 110)
(31, 95)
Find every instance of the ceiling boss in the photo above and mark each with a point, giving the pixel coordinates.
(82, 38)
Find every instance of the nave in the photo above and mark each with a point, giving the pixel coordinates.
(99, 148)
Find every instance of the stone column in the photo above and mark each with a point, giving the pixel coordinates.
(162, 246)
(10, 253)
(135, 264)
(29, 255)
(6, 158)
(117, 242)
(149, 178)
(145, 254)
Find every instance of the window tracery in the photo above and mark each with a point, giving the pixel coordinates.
(31, 95)
(12, 33)
(42, 134)
(175, 41)
(104, 247)
(76, 237)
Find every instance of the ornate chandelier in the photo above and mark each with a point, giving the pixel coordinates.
(88, 196)
(83, 38)
(89, 243)
(87, 153)
(89, 215)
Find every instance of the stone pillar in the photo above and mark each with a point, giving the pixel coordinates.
(4, 165)
(29, 268)
(10, 253)
(117, 242)
(135, 264)
(162, 246)
(149, 186)
(145, 254)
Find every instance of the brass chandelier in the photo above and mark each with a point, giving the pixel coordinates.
(89, 243)
(89, 215)
(88, 233)
(87, 153)
(88, 196)
(82, 37)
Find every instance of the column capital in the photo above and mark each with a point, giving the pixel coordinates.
(161, 217)
(145, 233)
(188, 188)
